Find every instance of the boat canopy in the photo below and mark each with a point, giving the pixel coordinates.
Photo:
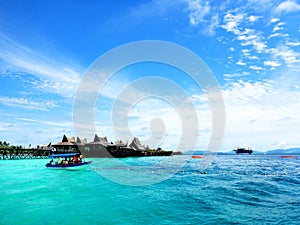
(64, 155)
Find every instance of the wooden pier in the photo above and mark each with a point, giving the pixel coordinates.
(31, 153)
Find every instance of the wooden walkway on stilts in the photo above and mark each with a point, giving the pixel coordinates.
(31, 153)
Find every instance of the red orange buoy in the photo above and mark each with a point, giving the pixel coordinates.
(197, 156)
(288, 156)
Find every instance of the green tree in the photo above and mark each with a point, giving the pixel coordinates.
(5, 144)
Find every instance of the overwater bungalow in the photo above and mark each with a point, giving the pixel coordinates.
(97, 148)
(67, 145)
(100, 147)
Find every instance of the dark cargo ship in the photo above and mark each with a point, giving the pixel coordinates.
(240, 150)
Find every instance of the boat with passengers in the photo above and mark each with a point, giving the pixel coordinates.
(67, 161)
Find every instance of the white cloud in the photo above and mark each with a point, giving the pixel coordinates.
(293, 43)
(247, 36)
(199, 9)
(28, 103)
(201, 15)
(277, 35)
(258, 42)
(255, 67)
(21, 128)
(272, 63)
(255, 41)
(241, 63)
(213, 25)
(277, 28)
(233, 75)
(52, 75)
(274, 20)
(256, 109)
(60, 124)
(260, 5)
(289, 56)
(253, 110)
(253, 57)
(245, 52)
(253, 18)
(158, 123)
(232, 22)
(287, 7)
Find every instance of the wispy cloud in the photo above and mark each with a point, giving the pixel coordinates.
(51, 75)
(234, 75)
(254, 18)
(246, 36)
(257, 43)
(201, 14)
(272, 63)
(214, 24)
(274, 20)
(278, 27)
(255, 67)
(284, 53)
(60, 124)
(198, 10)
(260, 6)
(287, 7)
(25, 130)
(297, 43)
(252, 108)
(241, 63)
(44, 105)
(232, 21)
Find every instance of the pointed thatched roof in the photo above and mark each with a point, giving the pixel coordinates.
(96, 138)
(99, 140)
(65, 139)
(78, 140)
(136, 144)
(71, 139)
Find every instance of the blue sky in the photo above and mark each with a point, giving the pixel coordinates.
(251, 46)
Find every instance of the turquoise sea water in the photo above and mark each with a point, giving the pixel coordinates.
(237, 189)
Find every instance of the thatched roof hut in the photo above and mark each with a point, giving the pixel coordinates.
(66, 145)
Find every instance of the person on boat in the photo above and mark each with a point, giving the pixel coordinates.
(59, 160)
(75, 159)
(80, 158)
(66, 161)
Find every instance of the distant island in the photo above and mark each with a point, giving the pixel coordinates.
(289, 151)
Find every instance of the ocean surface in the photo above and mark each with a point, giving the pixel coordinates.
(234, 189)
